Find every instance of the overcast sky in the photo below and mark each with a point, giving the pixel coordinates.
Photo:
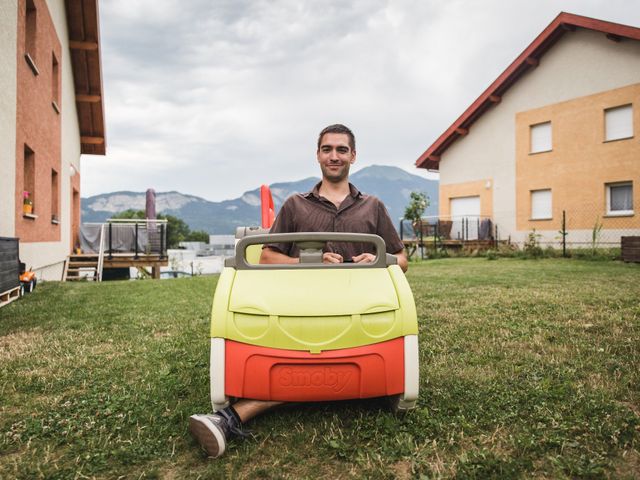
(215, 97)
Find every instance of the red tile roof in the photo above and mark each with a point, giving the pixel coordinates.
(564, 22)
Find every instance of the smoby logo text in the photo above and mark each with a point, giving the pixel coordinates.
(325, 377)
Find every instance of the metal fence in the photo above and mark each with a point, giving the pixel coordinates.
(125, 236)
(579, 227)
(582, 227)
(137, 236)
(446, 227)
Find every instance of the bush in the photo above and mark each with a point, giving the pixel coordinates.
(491, 254)
(532, 247)
(598, 254)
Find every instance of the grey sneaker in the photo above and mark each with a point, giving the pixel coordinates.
(214, 431)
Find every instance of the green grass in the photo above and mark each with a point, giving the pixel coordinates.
(528, 369)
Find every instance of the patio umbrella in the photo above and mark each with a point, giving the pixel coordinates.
(150, 209)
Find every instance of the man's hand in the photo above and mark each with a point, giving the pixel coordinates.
(364, 258)
(330, 257)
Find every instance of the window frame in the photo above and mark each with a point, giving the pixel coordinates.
(55, 196)
(531, 193)
(531, 129)
(618, 213)
(617, 107)
(31, 35)
(55, 83)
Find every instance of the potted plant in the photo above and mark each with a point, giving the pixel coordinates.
(27, 203)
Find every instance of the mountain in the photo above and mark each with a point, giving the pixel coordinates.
(391, 184)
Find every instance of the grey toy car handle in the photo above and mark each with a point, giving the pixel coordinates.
(312, 241)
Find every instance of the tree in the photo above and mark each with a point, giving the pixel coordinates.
(418, 202)
(198, 236)
(177, 230)
(130, 213)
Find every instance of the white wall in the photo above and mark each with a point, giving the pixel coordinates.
(581, 63)
(184, 260)
(8, 93)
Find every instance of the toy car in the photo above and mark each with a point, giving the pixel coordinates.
(313, 331)
(28, 279)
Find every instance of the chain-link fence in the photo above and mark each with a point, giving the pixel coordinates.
(587, 226)
(582, 227)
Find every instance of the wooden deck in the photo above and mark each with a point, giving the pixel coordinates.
(124, 260)
(120, 260)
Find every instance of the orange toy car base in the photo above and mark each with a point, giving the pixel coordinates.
(289, 375)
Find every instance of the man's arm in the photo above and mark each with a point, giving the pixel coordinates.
(402, 260)
(271, 255)
(388, 232)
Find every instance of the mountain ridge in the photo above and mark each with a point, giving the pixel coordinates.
(391, 184)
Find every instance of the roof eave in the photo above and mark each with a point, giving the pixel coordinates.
(84, 47)
(526, 61)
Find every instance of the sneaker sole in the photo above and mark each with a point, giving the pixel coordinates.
(207, 435)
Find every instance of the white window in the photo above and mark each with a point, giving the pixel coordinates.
(620, 198)
(540, 204)
(618, 123)
(541, 137)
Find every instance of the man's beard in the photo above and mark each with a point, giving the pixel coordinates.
(335, 177)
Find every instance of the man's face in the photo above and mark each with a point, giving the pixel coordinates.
(335, 156)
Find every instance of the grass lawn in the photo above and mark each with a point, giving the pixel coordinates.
(528, 369)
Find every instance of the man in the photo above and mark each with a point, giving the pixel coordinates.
(334, 205)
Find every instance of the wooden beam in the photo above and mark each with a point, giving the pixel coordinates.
(80, 97)
(462, 131)
(534, 62)
(75, 45)
(568, 27)
(614, 38)
(495, 98)
(434, 158)
(92, 140)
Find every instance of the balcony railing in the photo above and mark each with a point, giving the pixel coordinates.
(460, 228)
(140, 237)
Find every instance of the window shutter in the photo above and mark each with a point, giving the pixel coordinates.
(541, 137)
(540, 204)
(618, 122)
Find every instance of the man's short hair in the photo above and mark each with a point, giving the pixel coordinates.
(338, 128)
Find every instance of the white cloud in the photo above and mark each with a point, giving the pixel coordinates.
(213, 98)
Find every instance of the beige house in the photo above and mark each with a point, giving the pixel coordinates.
(556, 135)
(51, 112)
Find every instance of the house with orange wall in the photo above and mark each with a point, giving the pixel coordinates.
(556, 135)
(51, 112)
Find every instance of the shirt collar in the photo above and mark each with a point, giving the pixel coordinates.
(315, 191)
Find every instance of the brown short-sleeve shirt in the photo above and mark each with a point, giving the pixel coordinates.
(358, 213)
